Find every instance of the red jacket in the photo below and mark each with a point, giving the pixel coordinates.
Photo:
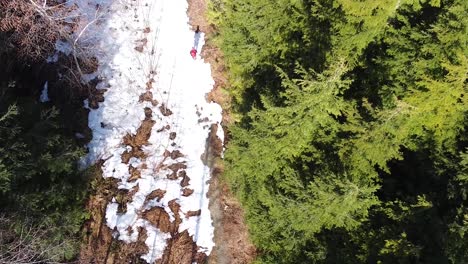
(193, 52)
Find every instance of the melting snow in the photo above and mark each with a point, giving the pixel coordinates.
(44, 95)
(145, 45)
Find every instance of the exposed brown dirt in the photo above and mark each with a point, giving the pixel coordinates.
(126, 156)
(99, 246)
(176, 168)
(166, 127)
(144, 132)
(128, 253)
(135, 174)
(158, 193)
(164, 110)
(148, 96)
(176, 154)
(175, 208)
(141, 44)
(231, 236)
(192, 213)
(182, 250)
(98, 237)
(95, 97)
(142, 135)
(187, 192)
(160, 219)
(232, 244)
(88, 65)
(185, 179)
(172, 135)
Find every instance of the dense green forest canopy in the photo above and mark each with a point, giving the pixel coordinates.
(42, 191)
(350, 143)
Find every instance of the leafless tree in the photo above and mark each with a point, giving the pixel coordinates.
(26, 243)
(36, 25)
(32, 27)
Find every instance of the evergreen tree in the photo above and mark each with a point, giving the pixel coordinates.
(350, 145)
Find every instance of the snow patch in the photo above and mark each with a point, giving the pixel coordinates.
(64, 47)
(45, 93)
(163, 66)
(53, 58)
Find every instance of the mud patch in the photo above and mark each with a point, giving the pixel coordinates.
(185, 179)
(187, 192)
(192, 213)
(158, 193)
(164, 110)
(143, 133)
(148, 97)
(176, 154)
(159, 218)
(182, 250)
(172, 135)
(175, 168)
(135, 174)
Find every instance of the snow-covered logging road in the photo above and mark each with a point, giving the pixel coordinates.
(152, 127)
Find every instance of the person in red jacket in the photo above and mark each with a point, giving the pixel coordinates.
(193, 52)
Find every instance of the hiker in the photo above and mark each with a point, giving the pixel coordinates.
(193, 52)
(196, 37)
